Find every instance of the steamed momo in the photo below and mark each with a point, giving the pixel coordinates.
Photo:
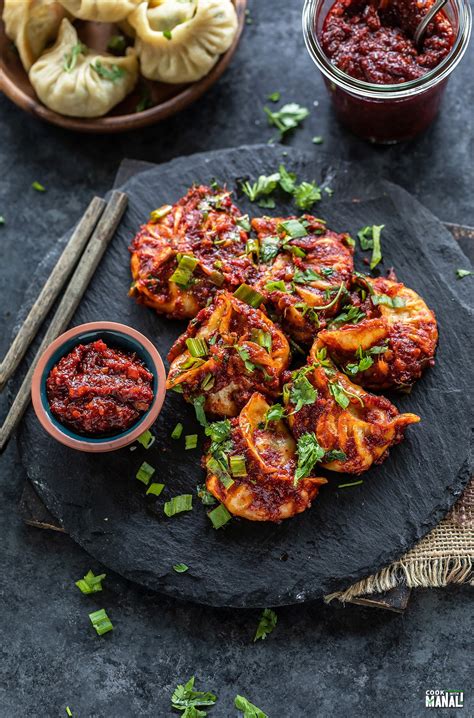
(100, 10)
(74, 81)
(187, 51)
(32, 24)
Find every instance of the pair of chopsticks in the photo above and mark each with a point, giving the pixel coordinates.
(84, 251)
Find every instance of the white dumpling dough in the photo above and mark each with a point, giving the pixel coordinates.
(100, 10)
(65, 80)
(32, 24)
(194, 45)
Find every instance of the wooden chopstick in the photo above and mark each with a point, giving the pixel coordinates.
(65, 264)
(93, 253)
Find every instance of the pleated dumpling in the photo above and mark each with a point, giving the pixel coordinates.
(32, 24)
(74, 81)
(100, 10)
(187, 51)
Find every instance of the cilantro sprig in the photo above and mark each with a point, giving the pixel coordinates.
(184, 698)
(369, 238)
(267, 623)
(305, 195)
(287, 117)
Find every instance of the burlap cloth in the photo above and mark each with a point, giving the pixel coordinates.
(444, 556)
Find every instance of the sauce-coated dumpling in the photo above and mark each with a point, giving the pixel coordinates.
(100, 10)
(189, 50)
(32, 24)
(251, 467)
(76, 82)
(229, 351)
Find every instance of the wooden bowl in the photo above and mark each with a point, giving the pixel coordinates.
(166, 99)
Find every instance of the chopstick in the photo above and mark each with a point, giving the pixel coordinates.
(79, 282)
(66, 263)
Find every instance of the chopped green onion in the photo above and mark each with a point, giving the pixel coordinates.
(208, 382)
(146, 439)
(180, 568)
(206, 497)
(216, 467)
(144, 473)
(293, 228)
(117, 43)
(178, 504)
(249, 296)
(243, 222)
(160, 212)
(155, 489)
(252, 246)
(38, 187)
(167, 34)
(352, 483)
(184, 271)
(237, 466)
(2, 221)
(191, 441)
(90, 583)
(268, 621)
(461, 273)
(70, 59)
(68, 712)
(384, 299)
(217, 278)
(263, 339)
(101, 621)
(269, 248)
(186, 699)
(297, 251)
(274, 97)
(317, 140)
(177, 431)
(112, 73)
(219, 516)
(198, 403)
(197, 347)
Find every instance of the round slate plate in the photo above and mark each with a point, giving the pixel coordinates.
(348, 533)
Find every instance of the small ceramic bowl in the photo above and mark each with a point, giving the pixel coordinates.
(114, 335)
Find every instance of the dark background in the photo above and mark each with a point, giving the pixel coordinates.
(321, 660)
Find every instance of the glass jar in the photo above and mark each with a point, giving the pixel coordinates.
(386, 113)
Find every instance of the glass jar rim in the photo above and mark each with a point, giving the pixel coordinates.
(393, 91)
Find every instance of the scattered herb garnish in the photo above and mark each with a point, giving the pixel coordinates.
(264, 185)
(334, 455)
(369, 238)
(177, 431)
(269, 248)
(309, 453)
(248, 709)
(90, 583)
(144, 473)
(38, 186)
(287, 180)
(146, 439)
(263, 339)
(184, 271)
(306, 194)
(161, 212)
(352, 483)
(218, 431)
(274, 97)
(309, 275)
(178, 504)
(352, 315)
(244, 354)
(145, 100)
(190, 441)
(302, 392)
(394, 302)
(197, 347)
(243, 222)
(68, 712)
(117, 43)
(342, 395)
(293, 228)
(155, 489)
(275, 413)
(70, 59)
(206, 497)
(461, 273)
(180, 568)
(276, 286)
(219, 516)
(365, 359)
(317, 140)
(101, 621)
(186, 697)
(2, 221)
(287, 117)
(112, 73)
(218, 465)
(268, 621)
(167, 34)
(237, 466)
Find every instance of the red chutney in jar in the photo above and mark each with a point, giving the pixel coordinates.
(97, 390)
(373, 42)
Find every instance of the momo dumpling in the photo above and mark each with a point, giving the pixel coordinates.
(74, 81)
(166, 15)
(100, 10)
(32, 24)
(189, 50)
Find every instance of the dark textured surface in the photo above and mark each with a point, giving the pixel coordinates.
(345, 536)
(323, 661)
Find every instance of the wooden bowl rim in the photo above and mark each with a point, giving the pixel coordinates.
(122, 123)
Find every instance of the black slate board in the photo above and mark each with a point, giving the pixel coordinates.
(348, 533)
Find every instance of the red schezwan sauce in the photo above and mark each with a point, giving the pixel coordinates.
(373, 42)
(97, 390)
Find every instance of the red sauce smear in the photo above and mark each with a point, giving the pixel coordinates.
(97, 390)
(374, 41)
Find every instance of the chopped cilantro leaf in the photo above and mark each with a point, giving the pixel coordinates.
(309, 453)
(275, 413)
(268, 621)
(180, 568)
(184, 696)
(287, 117)
(263, 186)
(306, 194)
(460, 273)
(248, 709)
(302, 392)
(274, 97)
